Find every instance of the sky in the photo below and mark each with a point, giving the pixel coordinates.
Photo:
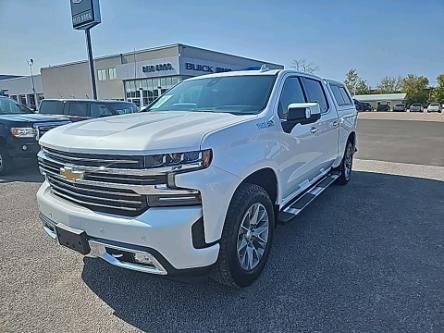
(378, 38)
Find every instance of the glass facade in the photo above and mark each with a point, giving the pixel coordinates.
(143, 91)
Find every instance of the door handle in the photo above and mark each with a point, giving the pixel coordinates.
(313, 130)
(335, 123)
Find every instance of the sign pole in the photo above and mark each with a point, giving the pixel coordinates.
(91, 62)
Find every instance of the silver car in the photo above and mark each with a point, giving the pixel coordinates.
(416, 107)
(434, 107)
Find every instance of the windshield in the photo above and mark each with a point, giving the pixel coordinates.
(434, 104)
(232, 94)
(9, 106)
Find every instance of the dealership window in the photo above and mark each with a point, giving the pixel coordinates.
(31, 100)
(112, 73)
(149, 89)
(101, 74)
(14, 97)
(22, 99)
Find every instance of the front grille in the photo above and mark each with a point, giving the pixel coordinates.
(45, 127)
(100, 164)
(93, 160)
(99, 189)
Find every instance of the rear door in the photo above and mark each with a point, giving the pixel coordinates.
(325, 131)
(346, 113)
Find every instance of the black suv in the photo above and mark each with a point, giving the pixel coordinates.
(19, 128)
(81, 109)
(362, 106)
(383, 107)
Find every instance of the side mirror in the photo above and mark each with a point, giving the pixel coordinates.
(301, 113)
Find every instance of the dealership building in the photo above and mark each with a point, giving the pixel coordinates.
(139, 76)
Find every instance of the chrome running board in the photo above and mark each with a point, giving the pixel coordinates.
(298, 204)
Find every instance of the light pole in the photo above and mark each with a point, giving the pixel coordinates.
(30, 63)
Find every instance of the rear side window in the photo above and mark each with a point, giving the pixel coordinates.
(337, 94)
(341, 95)
(51, 107)
(100, 110)
(315, 93)
(123, 108)
(78, 109)
(345, 95)
(291, 93)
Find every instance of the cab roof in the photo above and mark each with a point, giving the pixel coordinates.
(255, 73)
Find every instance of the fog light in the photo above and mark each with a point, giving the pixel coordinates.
(143, 258)
(24, 147)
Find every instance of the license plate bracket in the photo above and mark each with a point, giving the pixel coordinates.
(73, 239)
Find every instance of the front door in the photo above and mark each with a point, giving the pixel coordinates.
(301, 145)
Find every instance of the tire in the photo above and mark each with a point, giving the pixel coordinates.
(345, 168)
(233, 268)
(5, 161)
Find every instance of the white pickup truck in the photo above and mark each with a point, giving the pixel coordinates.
(197, 183)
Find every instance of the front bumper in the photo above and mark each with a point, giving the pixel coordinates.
(22, 147)
(163, 233)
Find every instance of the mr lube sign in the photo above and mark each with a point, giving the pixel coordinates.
(85, 13)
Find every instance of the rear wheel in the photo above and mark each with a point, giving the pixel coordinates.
(246, 237)
(345, 168)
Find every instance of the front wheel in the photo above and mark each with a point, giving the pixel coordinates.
(345, 168)
(5, 161)
(246, 237)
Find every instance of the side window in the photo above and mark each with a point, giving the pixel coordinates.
(291, 93)
(122, 108)
(337, 94)
(100, 110)
(345, 96)
(78, 109)
(315, 93)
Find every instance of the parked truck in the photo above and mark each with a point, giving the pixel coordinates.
(197, 183)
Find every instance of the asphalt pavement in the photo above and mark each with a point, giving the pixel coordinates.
(366, 257)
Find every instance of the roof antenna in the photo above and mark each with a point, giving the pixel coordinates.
(264, 68)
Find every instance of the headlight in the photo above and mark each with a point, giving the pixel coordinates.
(180, 161)
(177, 163)
(23, 132)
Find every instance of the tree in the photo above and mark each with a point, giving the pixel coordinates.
(355, 84)
(416, 88)
(301, 65)
(438, 91)
(390, 85)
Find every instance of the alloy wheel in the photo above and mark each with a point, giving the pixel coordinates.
(253, 236)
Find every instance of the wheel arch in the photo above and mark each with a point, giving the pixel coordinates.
(265, 178)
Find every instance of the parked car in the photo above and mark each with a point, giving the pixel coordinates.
(434, 107)
(383, 107)
(399, 108)
(362, 106)
(18, 132)
(196, 184)
(81, 109)
(416, 107)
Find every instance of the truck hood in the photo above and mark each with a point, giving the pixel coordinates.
(139, 133)
(31, 118)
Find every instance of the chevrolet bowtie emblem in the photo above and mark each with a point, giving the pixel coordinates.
(70, 174)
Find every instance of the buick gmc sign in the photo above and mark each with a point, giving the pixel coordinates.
(157, 68)
(205, 68)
